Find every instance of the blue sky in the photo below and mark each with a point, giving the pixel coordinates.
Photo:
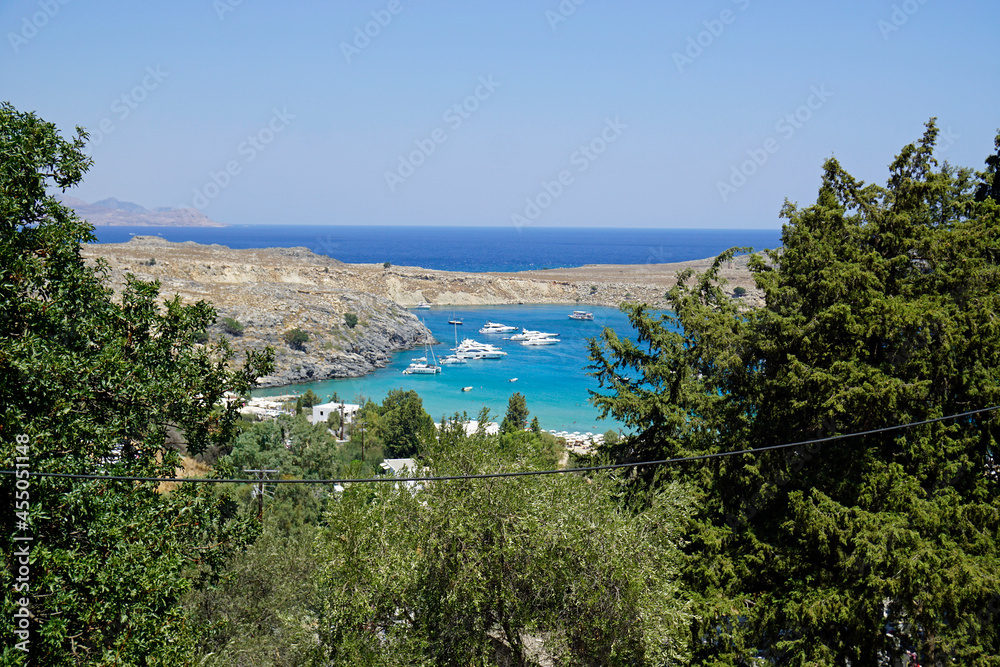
(549, 113)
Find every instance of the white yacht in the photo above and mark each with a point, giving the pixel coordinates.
(496, 328)
(581, 315)
(472, 349)
(452, 359)
(528, 333)
(543, 339)
(420, 365)
(422, 368)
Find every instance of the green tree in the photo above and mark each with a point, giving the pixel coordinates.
(351, 320)
(517, 414)
(263, 609)
(880, 310)
(477, 571)
(402, 424)
(310, 398)
(296, 338)
(92, 382)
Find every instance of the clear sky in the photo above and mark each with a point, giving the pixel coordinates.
(627, 113)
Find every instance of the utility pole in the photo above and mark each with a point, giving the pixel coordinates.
(259, 490)
(361, 425)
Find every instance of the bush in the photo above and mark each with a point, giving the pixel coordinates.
(232, 326)
(739, 292)
(296, 338)
(350, 319)
(386, 265)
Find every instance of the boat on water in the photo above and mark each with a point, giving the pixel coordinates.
(423, 305)
(581, 315)
(455, 322)
(420, 365)
(496, 328)
(452, 359)
(473, 349)
(422, 368)
(548, 339)
(528, 333)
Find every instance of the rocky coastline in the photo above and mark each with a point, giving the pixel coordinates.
(269, 292)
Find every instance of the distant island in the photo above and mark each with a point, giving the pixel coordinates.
(114, 213)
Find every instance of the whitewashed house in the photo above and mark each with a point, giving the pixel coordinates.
(346, 411)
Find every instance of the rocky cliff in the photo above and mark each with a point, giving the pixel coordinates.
(274, 290)
(269, 292)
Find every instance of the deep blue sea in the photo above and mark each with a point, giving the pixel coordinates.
(474, 249)
(554, 378)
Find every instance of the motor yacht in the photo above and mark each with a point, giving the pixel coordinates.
(496, 328)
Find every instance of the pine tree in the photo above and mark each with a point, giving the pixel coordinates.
(880, 310)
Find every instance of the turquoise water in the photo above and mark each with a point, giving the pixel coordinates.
(552, 378)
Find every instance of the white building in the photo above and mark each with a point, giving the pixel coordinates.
(346, 411)
(404, 468)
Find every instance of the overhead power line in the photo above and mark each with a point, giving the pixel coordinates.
(523, 473)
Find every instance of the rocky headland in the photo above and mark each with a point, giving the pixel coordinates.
(271, 291)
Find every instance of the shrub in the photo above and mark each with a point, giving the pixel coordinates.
(296, 338)
(350, 319)
(386, 265)
(232, 326)
(739, 292)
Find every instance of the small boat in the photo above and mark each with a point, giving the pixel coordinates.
(512, 380)
(423, 305)
(452, 359)
(466, 388)
(455, 322)
(581, 315)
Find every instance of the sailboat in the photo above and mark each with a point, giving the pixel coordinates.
(421, 366)
(452, 359)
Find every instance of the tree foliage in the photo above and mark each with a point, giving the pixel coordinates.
(517, 414)
(480, 571)
(296, 338)
(880, 310)
(94, 382)
(400, 425)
